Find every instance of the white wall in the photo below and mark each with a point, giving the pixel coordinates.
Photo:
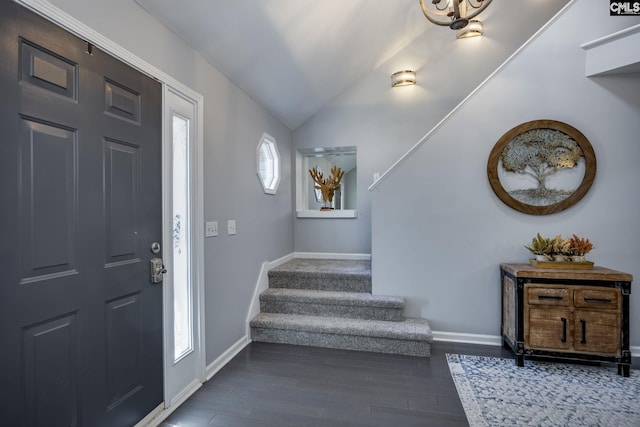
(233, 126)
(384, 122)
(438, 230)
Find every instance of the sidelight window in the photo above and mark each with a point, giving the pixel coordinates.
(182, 283)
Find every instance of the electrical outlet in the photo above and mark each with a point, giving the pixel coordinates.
(211, 229)
(231, 227)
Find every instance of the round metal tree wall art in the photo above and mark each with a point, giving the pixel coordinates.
(541, 167)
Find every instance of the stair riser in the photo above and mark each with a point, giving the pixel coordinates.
(348, 311)
(345, 342)
(320, 282)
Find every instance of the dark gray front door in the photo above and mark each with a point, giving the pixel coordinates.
(80, 186)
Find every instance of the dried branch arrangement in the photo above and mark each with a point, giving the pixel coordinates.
(557, 246)
(541, 246)
(329, 185)
(580, 246)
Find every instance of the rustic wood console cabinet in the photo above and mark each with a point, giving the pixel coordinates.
(566, 314)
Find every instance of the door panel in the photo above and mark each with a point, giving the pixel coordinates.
(48, 219)
(51, 372)
(122, 102)
(122, 197)
(80, 179)
(48, 71)
(124, 348)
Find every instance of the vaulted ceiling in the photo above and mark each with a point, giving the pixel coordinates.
(294, 56)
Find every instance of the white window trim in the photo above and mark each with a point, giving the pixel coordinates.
(266, 138)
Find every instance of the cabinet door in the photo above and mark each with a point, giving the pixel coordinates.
(548, 328)
(597, 331)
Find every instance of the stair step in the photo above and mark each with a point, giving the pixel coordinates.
(323, 275)
(332, 303)
(410, 337)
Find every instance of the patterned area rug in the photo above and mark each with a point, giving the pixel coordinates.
(495, 392)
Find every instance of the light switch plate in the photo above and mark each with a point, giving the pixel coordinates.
(231, 227)
(211, 229)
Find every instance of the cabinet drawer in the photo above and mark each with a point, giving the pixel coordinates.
(597, 298)
(548, 295)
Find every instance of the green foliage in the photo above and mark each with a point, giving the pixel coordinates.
(541, 246)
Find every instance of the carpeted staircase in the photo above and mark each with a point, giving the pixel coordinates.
(328, 303)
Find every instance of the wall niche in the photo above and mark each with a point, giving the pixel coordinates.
(308, 199)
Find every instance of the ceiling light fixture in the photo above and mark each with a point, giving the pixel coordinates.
(454, 13)
(474, 29)
(403, 78)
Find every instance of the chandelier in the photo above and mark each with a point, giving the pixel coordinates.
(454, 13)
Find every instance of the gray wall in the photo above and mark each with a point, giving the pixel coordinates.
(384, 122)
(233, 126)
(439, 232)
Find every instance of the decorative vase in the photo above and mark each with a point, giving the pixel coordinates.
(541, 258)
(578, 258)
(560, 258)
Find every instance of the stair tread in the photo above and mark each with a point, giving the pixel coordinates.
(331, 297)
(409, 329)
(320, 267)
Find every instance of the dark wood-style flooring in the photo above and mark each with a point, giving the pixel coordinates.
(277, 385)
(284, 385)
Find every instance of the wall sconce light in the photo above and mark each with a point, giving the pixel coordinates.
(403, 78)
(473, 29)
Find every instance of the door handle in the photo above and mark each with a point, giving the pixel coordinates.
(157, 270)
(587, 299)
(553, 297)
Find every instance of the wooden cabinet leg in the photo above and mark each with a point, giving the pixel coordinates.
(519, 360)
(623, 370)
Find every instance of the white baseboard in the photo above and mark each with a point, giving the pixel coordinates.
(184, 394)
(225, 357)
(329, 255)
(161, 413)
(261, 285)
(467, 338)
